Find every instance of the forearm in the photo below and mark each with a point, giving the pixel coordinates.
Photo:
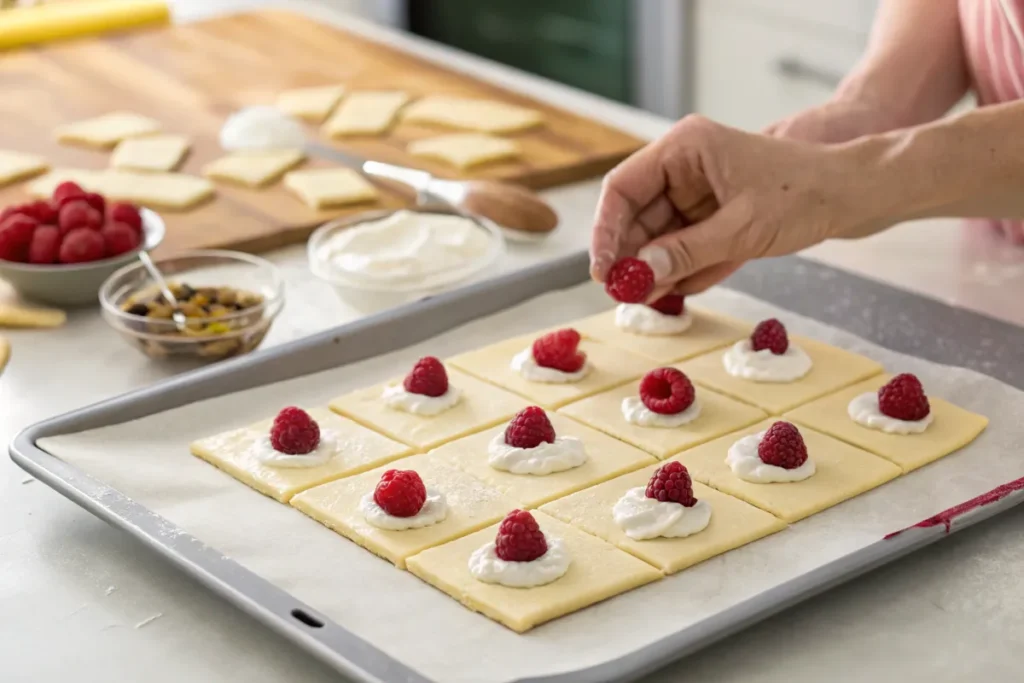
(914, 69)
(971, 165)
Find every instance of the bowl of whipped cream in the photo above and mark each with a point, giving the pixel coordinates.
(385, 258)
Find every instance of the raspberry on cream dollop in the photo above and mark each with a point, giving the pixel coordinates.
(554, 358)
(529, 445)
(424, 391)
(521, 555)
(776, 455)
(295, 441)
(667, 399)
(899, 407)
(666, 508)
(402, 501)
(767, 356)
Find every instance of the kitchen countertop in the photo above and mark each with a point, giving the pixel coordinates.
(82, 601)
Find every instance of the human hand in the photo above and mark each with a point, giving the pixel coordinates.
(703, 199)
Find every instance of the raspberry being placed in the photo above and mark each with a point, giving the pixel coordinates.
(630, 281)
(770, 334)
(671, 483)
(520, 538)
(529, 428)
(903, 398)
(294, 432)
(782, 446)
(666, 391)
(400, 493)
(125, 213)
(65, 192)
(45, 245)
(559, 351)
(119, 238)
(670, 304)
(77, 213)
(16, 236)
(427, 378)
(81, 246)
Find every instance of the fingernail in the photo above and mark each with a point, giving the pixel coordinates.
(601, 262)
(658, 259)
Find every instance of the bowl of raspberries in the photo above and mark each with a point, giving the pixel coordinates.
(60, 250)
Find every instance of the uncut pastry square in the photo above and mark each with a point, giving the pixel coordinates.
(842, 472)
(598, 571)
(606, 458)
(481, 406)
(609, 367)
(471, 506)
(707, 331)
(951, 429)
(833, 368)
(718, 415)
(734, 523)
(358, 449)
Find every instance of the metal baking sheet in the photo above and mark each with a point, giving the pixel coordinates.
(355, 657)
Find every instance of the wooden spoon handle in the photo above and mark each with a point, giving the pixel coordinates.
(510, 206)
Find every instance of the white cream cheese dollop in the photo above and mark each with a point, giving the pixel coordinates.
(434, 510)
(644, 518)
(263, 451)
(261, 128)
(565, 453)
(486, 566)
(526, 365)
(642, 319)
(746, 464)
(406, 246)
(419, 404)
(635, 412)
(741, 360)
(864, 411)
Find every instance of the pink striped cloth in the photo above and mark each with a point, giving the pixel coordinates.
(993, 35)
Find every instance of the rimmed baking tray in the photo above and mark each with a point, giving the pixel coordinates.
(802, 286)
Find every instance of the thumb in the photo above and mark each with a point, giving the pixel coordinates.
(680, 254)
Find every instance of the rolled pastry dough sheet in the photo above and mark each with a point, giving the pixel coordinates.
(436, 635)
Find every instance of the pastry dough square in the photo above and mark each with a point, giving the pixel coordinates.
(832, 369)
(151, 153)
(15, 166)
(43, 186)
(733, 523)
(323, 188)
(254, 168)
(174, 191)
(359, 449)
(365, 112)
(610, 367)
(708, 331)
(606, 458)
(312, 104)
(951, 429)
(481, 406)
(487, 116)
(107, 130)
(598, 571)
(465, 150)
(471, 506)
(718, 415)
(14, 313)
(843, 472)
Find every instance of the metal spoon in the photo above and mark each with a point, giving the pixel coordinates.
(154, 224)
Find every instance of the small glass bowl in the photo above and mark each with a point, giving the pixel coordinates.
(160, 338)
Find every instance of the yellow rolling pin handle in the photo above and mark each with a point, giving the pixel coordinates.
(49, 22)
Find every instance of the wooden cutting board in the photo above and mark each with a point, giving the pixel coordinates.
(191, 77)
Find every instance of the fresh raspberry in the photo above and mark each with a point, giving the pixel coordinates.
(400, 493)
(529, 428)
(16, 236)
(125, 213)
(96, 201)
(45, 245)
(558, 350)
(77, 213)
(294, 432)
(119, 238)
(903, 398)
(9, 211)
(671, 483)
(81, 246)
(629, 281)
(42, 211)
(520, 538)
(782, 446)
(670, 304)
(770, 334)
(66, 192)
(427, 377)
(666, 391)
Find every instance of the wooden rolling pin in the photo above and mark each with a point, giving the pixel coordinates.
(23, 26)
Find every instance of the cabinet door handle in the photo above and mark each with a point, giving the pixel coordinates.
(793, 67)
